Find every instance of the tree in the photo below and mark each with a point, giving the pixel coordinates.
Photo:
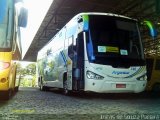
(30, 69)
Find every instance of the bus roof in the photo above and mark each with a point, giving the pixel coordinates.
(87, 13)
(107, 14)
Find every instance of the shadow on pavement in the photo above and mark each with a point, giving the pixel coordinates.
(115, 96)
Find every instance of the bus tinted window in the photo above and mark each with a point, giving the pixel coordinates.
(4, 42)
(114, 38)
(6, 24)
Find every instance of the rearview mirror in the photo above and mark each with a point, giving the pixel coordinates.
(23, 17)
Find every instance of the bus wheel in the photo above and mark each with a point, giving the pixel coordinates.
(7, 95)
(41, 86)
(156, 87)
(16, 89)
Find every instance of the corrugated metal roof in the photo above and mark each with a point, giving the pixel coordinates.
(61, 11)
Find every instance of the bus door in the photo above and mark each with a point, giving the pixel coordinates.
(80, 58)
(78, 63)
(69, 64)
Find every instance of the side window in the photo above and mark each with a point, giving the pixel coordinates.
(157, 65)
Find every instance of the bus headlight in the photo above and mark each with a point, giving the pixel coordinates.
(143, 77)
(92, 75)
(4, 65)
(3, 80)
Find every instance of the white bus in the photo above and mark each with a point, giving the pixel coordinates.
(98, 52)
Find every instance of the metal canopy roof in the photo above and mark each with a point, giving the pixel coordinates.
(61, 11)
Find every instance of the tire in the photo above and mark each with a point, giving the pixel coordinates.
(43, 88)
(39, 81)
(16, 89)
(41, 84)
(6, 95)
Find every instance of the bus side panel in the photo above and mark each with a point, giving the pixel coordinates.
(51, 62)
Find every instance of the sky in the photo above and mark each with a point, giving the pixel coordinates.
(37, 10)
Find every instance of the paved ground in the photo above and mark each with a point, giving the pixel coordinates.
(32, 104)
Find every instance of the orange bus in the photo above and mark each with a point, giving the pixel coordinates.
(11, 19)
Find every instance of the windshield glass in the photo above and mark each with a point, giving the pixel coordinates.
(5, 37)
(4, 42)
(114, 41)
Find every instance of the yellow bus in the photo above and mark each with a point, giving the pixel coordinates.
(11, 19)
(153, 73)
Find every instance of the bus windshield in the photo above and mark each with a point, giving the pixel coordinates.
(5, 30)
(114, 41)
(4, 42)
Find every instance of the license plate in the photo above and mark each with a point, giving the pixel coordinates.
(120, 85)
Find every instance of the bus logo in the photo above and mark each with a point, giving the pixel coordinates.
(120, 73)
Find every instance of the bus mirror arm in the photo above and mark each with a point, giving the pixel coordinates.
(14, 48)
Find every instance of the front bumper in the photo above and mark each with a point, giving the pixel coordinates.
(105, 86)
